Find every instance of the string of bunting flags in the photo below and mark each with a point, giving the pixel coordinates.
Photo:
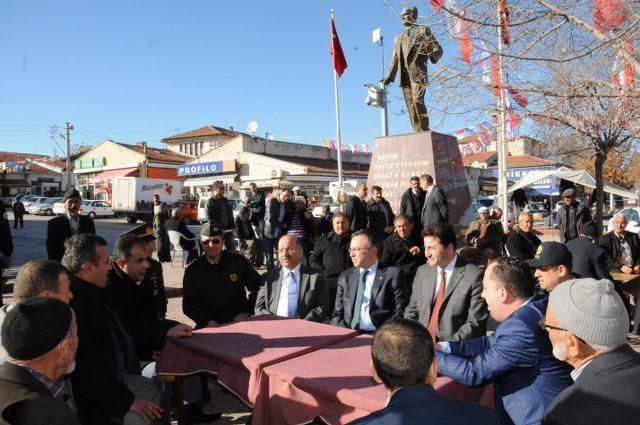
(355, 148)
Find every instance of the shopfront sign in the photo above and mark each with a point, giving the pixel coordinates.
(200, 168)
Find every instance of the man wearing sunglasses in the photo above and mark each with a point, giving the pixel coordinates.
(517, 357)
(216, 284)
(588, 324)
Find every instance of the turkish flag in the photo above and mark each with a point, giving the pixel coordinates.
(504, 21)
(339, 62)
(609, 14)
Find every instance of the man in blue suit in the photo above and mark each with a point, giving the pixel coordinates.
(517, 358)
(402, 359)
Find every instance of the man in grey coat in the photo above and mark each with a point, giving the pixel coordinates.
(436, 208)
(571, 216)
(293, 290)
(446, 291)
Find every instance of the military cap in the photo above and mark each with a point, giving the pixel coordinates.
(213, 229)
(145, 231)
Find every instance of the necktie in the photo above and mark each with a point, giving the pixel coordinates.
(435, 308)
(357, 305)
(292, 296)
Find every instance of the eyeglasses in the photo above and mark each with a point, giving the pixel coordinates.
(287, 251)
(543, 325)
(359, 249)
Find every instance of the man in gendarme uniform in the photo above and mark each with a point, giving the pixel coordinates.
(216, 284)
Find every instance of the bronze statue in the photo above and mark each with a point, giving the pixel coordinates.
(411, 50)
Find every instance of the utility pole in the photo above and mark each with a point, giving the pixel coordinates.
(379, 40)
(502, 135)
(69, 174)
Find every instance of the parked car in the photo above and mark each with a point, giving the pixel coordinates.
(633, 219)
(327, 200)
(59, 209)
(43, 207)
(32, 200)
(188, 211)
(9, 200)
(202, 208)
(96, 208)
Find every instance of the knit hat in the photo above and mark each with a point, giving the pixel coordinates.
(71, 193)
(592, 310)
(34, 327)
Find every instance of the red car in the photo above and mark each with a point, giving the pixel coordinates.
(188, 211)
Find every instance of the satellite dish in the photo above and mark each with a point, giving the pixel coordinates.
(252, 127)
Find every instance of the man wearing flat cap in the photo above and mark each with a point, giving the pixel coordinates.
(41, 340)
(587, 325)
(484, 238)
(553, 263)
(571, 216)
(216, 284)
(589, 259)
(62, 227)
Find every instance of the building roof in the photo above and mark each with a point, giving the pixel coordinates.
(207, 130)
(159, 155)
(23, 158)
(521, 161)
(323, 165)
(481, 157)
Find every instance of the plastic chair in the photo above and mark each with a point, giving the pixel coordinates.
(174, 240)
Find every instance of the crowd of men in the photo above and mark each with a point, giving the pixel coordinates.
(85, 326)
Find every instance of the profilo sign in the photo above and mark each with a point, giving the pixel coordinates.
(198, 168)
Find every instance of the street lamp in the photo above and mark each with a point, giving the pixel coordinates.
(377, 96)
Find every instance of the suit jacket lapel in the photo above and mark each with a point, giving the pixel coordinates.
(302, 286)
(377, 283)
(275, 291)
(352, 288)
(455, 278)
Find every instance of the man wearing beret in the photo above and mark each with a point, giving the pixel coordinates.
(589, 259)
(571, 216)
(587, 325)
(216, 284)
(41, 340)
(62, 227)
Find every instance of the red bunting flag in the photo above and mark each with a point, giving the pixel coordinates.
(337, 56)
(437, 4)
(459, 28)
(504, 21)
(365, 148)
(495, 75)
(331, 145)
(343, 148)
(609, 14)
(518, 97)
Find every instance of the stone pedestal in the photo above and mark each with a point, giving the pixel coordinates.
(396, 159)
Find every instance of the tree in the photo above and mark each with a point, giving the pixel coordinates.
(557, 58)
(618, 169)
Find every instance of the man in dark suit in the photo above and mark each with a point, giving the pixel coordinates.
(589, 259)
(411, 204)
(380, 214)
(62, 227)
(293, 290)
(403, 249)
(445, 295)
(273, 217)
(219, 211)
(436, 208)
(356, 208)
(517, 358)
(588, 324)
(622, 247)
(176, 224)
(402, 359)
(331, 254)
(256, 202)
(41, 339)
(522, 243)
(368, 295)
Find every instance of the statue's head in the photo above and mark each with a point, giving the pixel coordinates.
(409, 15)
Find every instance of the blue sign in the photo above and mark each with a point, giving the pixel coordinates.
(200, 168)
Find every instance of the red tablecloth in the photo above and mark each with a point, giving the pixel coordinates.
(336, 384)
(238, 352)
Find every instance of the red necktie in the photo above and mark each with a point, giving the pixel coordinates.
(437, 303)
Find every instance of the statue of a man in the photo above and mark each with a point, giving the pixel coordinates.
(411, 50)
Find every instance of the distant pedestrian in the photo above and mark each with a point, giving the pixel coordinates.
(160, 232)
(435, 209)
(571, 216)
(18, 213)
(219, 211)
(62, 227)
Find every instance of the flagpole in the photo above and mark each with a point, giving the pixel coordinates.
(502, 130)
(338, 136)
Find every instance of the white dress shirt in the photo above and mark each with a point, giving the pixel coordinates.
(288, 299)
(365, 316)
(74, 222)
(575, 373)
(448, 271)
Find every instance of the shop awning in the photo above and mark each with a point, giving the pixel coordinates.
(14, 183)
(267, 183)
(105, 189)
(109, 174)
(208, 180)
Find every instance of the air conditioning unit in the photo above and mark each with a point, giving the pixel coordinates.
(276, 173)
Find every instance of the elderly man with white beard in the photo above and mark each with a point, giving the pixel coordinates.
(588, 324)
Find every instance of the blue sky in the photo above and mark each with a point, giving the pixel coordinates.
(140, 70)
